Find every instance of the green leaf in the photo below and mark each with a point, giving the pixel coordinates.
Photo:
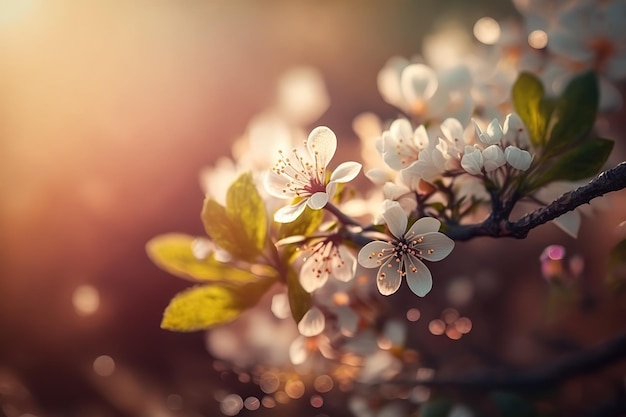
(575, 112)
(528, 100)
(511, 405)
(172, 253)
(582, 162)
(244, 205)
(299, 299)
(205, 306)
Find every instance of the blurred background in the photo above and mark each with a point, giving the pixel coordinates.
(108, 111)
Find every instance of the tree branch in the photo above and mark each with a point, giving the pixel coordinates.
(613, 179)
(534, 379)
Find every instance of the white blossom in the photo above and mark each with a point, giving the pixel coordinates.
(305, 176)
(401, 145)
(401, 256)
(515, 132)
(327, 259)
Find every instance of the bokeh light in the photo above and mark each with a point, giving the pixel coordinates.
(104, 365)
(269, 382)
(323, 383)
(252, 403)
(86, 300)
(437, 327)
(231, 405)
(487, 30)
(317, 401)
(294, 388)
(538, 39)
(413, 314)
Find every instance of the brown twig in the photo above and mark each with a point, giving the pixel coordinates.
(613, 179)
(589, 360)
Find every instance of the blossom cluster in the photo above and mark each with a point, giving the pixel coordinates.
(477, 138)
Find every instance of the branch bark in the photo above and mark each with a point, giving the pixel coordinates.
(587, 361)
(613, 179)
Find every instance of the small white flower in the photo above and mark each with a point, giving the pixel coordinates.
(493, 158)
(472, 160)
(518, 158)
(327, 258)
(401, 256)
(492, 135)
(305, 177)
(515, 132)
(401, 145)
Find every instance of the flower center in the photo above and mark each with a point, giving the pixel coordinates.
(326, 256)
(304, 178)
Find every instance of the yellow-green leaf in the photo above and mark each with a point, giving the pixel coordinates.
(245, 206)
(205, 306)
(528, 94)
(226, 233)
(173, 253)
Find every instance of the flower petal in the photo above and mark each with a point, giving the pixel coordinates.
(298, 352)
(318, 200)
(494, 131)
(369, 254)
(518, 158)
(389, 278)
(345, 172)
(312, 323)
(378, 176)
(276, 185)
(435, 246)
(453, 131)
(424, 225)
(396, 219)
(313, 274)
(280, 305)
(322, 145)
(344, 265)
(288, 214)
(418, 277)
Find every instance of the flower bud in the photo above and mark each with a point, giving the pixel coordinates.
(472, 160)
(492, 135)
(493, 158)
(515, 131)
(518, 158)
